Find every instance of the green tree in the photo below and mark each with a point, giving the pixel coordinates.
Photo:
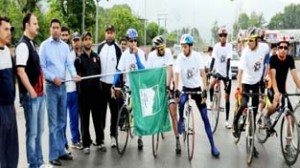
(289, 19)
(214, 32)
(243, 21)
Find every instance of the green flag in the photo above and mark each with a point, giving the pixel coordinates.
(150, 104)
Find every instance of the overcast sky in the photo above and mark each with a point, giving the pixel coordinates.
(200, 13)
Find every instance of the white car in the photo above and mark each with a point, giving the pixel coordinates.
(234, 63)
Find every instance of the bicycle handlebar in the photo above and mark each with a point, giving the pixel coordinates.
(192, 92)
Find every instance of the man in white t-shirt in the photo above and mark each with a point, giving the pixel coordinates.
(162, 57)
(221, 56)
(250, 75)
(190, 70)
(132, 59)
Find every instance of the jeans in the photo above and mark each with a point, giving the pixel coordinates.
(34, 109)
(9, 143)
(73, 110)
(56, 97)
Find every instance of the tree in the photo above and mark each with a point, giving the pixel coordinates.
(214, 32)
(243, 21)
(289, 19)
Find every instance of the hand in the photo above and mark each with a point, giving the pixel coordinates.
(77, 78)
(112, 92)
(237, 93)
(204, 94)
(57, 81)
(135, 50)
(33, 94)
(277, 96)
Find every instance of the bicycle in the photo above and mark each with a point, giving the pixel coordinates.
(247, 120)
(214, 115)
(289, 131)
(189, 124)
(124, 122)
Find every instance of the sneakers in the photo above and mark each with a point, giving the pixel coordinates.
(255, 153)
(215, 152)
(227, 125)
(178, 147)
(77, 145)
(267, 122)
(113, 142)
(140, 144)
(180, 127)
(46, 166)
(102, 147)
(289, 151)
(86, 150)
(236, 134)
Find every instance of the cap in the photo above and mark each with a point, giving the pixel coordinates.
(85, 34)
(75, 35)
(110, 27)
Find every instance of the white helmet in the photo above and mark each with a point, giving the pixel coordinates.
(186, 39)
(158, 41)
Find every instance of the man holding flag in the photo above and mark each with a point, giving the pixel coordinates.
(162, 57)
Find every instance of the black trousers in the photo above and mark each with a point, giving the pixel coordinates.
(114, 106)
(89, 103)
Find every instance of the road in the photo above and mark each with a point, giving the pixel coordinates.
(232, 155)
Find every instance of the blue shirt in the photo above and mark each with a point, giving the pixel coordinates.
(55, 59)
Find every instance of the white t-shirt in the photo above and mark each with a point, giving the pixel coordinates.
(208, 62)
(221, 54)
(5, 62)
(22, 53)
(155, 61)
(128, 63)
(252, 63)
(71, 86)
(189, 69)
(108, 60)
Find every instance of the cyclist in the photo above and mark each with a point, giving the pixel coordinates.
(190, 69)
(280, 65)
(250, 74)
(132, 59)
(221, 55)
(160, 57)
(207, 66)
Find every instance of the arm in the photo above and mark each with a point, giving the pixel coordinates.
(295, 78)
(138, 62)
(239, 79)
(25, 81)
(274, 82)
(71, 67)
(116, 78)
(48, 75)
(212, 64)
(170, 75)
(204, 78)
(228, 68)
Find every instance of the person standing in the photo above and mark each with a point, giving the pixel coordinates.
(9, 143)
(55, 61)
(109, 53)
(72, 96)
(87, 64)
(31, 88)
(123, 44)
(65, 35)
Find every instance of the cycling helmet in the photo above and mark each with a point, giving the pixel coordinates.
(222, 30)
(158, 41)
(186, 39)
(283, 39)
(253, 32)
(131, 33)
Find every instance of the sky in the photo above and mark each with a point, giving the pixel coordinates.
(200, 13)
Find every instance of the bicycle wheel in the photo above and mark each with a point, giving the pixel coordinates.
(297, 115)
(190, 134)
(131, 122)
(289, 138)
(123, 129)
(186, 112)
(261, 131)
(215, 112)
(250, 135)
(155, 143)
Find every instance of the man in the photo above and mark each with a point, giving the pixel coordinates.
(87, 64)
(132, 59)
(221, 55)
(55, 61)
(9, 143)
(72, 96)
(207, 66)
(190, 69)
(250, 74)
(162, 57)
(31, 88)
(65, 35)
(280, 64)
(109, 53)
(123, 44)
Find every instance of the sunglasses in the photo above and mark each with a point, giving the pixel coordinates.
(222, 35)
(132, 40)
(161, 48)
(251, 40)
(283, 47)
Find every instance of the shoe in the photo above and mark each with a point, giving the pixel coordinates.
(267, 122)
(46, 166)
(102, 147)
(227, 125)
(140, 144)
(178, 147)
(55, 162)
(289, 151)
(68, 151)
(86, 150)
(255, 153)
(113, 142)
(209, 105)
(77, 145)
(236, 134)
(180, 127)
(215, 152)
(65, 157)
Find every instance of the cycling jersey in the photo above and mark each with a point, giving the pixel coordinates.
(221, 54)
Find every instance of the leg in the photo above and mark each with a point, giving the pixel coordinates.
(74, 120)
(40, 130)
(213, 82)
(183, 99)
(241, 109)
(85, 120)
(61, 119)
